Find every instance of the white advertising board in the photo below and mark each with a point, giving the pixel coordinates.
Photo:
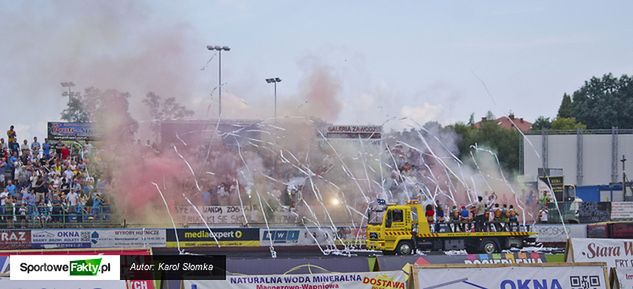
(614, 252)
(555, 233)
(512, 277)
(366, 280)
(621, 210)
(624, 277)
(311, 236)
(128, 238)
(210, 214)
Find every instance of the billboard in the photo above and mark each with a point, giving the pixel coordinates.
(201, 237)
(70, 131)
(15, 239)
(365, 280)
(614, 252)
(506, 277)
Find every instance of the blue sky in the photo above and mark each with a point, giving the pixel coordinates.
(424, 60)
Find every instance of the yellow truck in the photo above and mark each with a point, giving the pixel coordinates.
(403, 228)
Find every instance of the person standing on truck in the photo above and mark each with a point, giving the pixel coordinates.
(430, 214)
(454, 218)
(480, 210)
(464, 218)
(504, 217)
(497, 217)
(514, 220)
(439, 216)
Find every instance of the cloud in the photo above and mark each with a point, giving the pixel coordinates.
(422, 113)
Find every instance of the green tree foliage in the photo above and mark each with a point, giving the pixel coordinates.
(565, 108)
(165, 109)
(504, 142)
(74, 111)
(567, 123)
(542, 123)
(604, 102)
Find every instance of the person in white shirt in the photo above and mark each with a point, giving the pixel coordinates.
(72, 198)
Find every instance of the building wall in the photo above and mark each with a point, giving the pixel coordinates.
(562, 152)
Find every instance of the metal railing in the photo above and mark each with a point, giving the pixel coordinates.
(47, 217)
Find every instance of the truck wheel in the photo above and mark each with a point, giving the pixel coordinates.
(404, 248)
(489, 246)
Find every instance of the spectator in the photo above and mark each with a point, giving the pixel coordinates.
(464, 217)
(514, 220)
(35, 147)
(12, 139)
(543, 216)
(64, 151)
(72, 199)
(22, 214)
(46, 149)
(26, 151)
(9, 214)
(4, 196)
(11, 188)
(455, 218)
(497, 217)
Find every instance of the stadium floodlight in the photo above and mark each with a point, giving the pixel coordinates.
(274, 81)
(219, 49)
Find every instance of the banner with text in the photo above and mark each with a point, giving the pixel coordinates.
(512, 277)
(614, 252)
(128, 238)
(69, 238)
(210, 215)
(70, 131)
(621, 211)
(201, 237)
(624, 277)
(15, 239)
(555, 233)
(367, 280)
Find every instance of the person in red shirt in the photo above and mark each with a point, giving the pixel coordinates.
(65, 152)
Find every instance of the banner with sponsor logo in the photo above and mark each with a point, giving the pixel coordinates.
(69, 238)
(621, 211)
(311, 236)
(70, 131)
(128, 238)
(512, 277)
(397, 262)
(366, 280)
(15, 239)
(63, 284)
(210, 214)
(624, 277)
(201, 237)
(555, 233)
(614, 252)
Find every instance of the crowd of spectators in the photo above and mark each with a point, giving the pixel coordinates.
(47, 184)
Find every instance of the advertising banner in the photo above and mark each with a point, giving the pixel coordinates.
(397, 262)
(311, 236)
(614, 252)
(48, 239)
(63, 284)
(15, 239)
(201, 237)
(70, 131)
(210, 214)
(512, 277)
(366, 280)
(621, 211)
(555, 233)
(128, 238)
(624, 277)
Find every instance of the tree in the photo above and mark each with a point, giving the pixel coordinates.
(471, 119)
(604, 102)
(490, 116)
(74, 111)
(167, 109)
(542, 123)
(567, 123)
(505, 142)
(565, 108)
